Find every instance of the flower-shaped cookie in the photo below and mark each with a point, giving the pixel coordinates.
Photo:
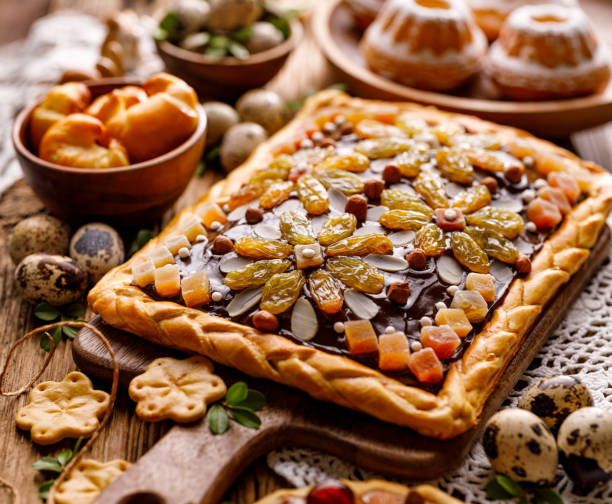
(176, 389)
(88, 479)
(67, 409)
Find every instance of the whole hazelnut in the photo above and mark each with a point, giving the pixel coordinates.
(490, 183)
(417, 259)
(358, 206)
(327, 142)
(265, 321)
(514, 172)
(373, 188)
(346, 129)
(253, 215)
(414, 497)
(391, 174)
(399, 292)
(222, 245)
(523, 264)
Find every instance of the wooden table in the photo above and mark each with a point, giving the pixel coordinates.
(126, 436)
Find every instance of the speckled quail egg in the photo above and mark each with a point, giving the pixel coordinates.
(192, 14)
(238, 143)
(553, 398)
(262, 107)
(220, 117)
(228, 15)
(519, 445)
(40, 233)
(96, 248)
(585, 444)
(263, 36)
(55, 279)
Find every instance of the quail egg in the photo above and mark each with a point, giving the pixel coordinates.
(585, 444)
(55, 279)
(238, 143)
(519, 445)
(263, 107)
(220, 117)
(229, 15)
(192, 14)
(96, 248)
(554, 398)
(263, 36)
(40, 233)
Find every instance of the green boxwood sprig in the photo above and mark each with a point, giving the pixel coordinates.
(54, 465)
(240, 404)
(504, 488)
(48, 313)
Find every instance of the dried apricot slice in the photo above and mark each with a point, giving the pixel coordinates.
(468, 253)
(360, 337)
(325, 291)
(313, 195)
(336, 228)
(361, 245)
(442, 339)
(393, 351)
(281, 291)
(356, 274)
(557, 197)
(543, 214)
(566, 183)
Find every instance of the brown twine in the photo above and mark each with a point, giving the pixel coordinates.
(13, 490)
(113, 395)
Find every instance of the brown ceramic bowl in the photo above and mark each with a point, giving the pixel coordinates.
(131, 195)
(230, 77)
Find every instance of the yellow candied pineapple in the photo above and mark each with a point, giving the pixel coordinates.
(483, 283)
(456, 319)
(195, 289)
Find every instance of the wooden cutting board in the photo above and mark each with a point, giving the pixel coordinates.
(190, 464)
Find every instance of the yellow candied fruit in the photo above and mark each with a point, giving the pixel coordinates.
(177, 242)
(195, 289)
(360, 337)
(483, 283)
(143, 273)
(167, 280)
(211, 213)
(191, 227)
(472, 303)
(160, 256)
(456, 319)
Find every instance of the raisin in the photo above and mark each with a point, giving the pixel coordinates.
(354, 162)
(404, 219)
(383, 147)
(506, 222)
(275, 194)
(474, 198)
(255, 274)
(468, 253)
(336, 228)
(361, 245)
(341, 180)
(281, 291)
(295, 228)
(395, 199)
(257, 248)
(356, 274)
(494, 244)
(455, 166)
(410, 162)
(431, 187)
(430, 238)
(313, 195)
(325, 291)
(370, 128)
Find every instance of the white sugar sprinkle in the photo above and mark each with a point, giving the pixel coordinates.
(450, 214)
(306, 144)
(540, 183)
(426, 321)
(183, 252)
(451, 289)
(340, 120)
(339, 327)
(415, 346)
(329, 127)
(200, 238)
(390, 329)
(317, 136)
(226, 208)
(216, 296)
(528, 195)
(531, 227)
(440, 305)
(528, 161)
(308, 253)
(216, 225)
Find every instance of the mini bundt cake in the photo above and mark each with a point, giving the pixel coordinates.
(365, 10)
(490, 14)
(547, 52)
(429, 44)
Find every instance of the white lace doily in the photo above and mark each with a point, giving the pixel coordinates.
(581, 346)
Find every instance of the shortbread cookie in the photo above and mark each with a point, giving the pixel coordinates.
(87, 480)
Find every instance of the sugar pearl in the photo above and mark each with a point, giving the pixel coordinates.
(308, 253)
(317, 136)
(426, 321)
(528, 161)
(528, 195)
(441, 305)
(415, 346)
(226, 208)
(216, 225)
(200, 238)
(339, 327)
(329, 127)
(451, 289)
(390, 329)
(306, 144)
(531, 227)
(540, 183)
(216, 296)
(183, 252)
(450, 214)
(340, 120)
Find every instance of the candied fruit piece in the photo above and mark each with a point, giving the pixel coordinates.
(403, 219)
(356, 274)
(295, 228)
(143, 273)
(308, 256)
(395, 199)
(472, 303)
(483, 283)
(450, 219)
(426, 366)
(494, 244)
(442, 339)
(247, 193)
(325, 291)
(473, 199)
(431, 187)
(174, 243)
(330, 492)
(409, 162)
(255, 274)
(430, 238)
(258, 248)
(313, 195)
(543, 214)
(192, 227)
(393, 351)
(361, 245)
(168, 280)
(455, 166)
(360, 337)
(376, 148)
(160, 256)
(369, 128)
(485, 160)
(341, 180)
(456, 319)
(468, 253)
(549, 163)
(506, 222)
(275, 194)
(353, 162)
(195, 289)
(281, 291)
(566, 183)
(211, 213)
(446, 132)
(336, 228)
(557, 197)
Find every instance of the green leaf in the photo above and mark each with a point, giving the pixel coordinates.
(44, 311)
(77, 445)
(243, 34)
(238, 51)
(246, 417)
(200, 169)
(43, 490)
(495, 491)
(64, 457)
(70, 332)
(142, 238)
(56, 334)
(213, 153)
(547, 496)
(74, 310)
(508, 485)
(237, 393)
(170, 23)
(47, 464)
(160, 34)
(254, 401)
(216, 53)
(281, 24)
(340, 86)
(219, 42)
(217, 419)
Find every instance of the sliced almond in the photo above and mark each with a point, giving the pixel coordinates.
(291, 205)
(386, 262)
(337, 201)
(360, 304)
(402, 238)
(232, 261)
(238, 213)
(453, 189)
(449, 270)
(304, 323)
(501, 272)
(375, 212)
(267, 231)
(370, 228)
(244, 301)
(513, 204)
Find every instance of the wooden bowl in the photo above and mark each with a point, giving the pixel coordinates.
(338, 36)
(230, 77)
(131, 195)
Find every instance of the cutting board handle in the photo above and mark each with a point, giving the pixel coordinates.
(191, 465)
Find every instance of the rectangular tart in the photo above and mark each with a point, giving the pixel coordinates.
(392, 255)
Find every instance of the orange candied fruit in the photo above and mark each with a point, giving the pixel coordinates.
(456, 319)
(543, 213)
(211, 213)
(360, 337)
(426, 366)
(393, 351)
(167, 280)
(196, 289)
(483, 283)
(566, 183)
(442, 339)
(557, 197)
